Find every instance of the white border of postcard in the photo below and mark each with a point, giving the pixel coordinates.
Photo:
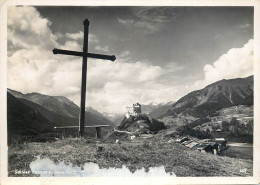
(5, 180)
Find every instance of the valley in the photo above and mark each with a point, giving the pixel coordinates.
(137, 140)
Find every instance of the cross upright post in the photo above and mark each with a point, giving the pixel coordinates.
(84, 78)
(85, 56)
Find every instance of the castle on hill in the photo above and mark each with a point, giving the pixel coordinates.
(134, 111)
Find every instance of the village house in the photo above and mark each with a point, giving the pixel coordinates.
(203, 147)
(214, 146)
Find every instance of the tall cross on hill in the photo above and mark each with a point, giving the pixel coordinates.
(85, 55)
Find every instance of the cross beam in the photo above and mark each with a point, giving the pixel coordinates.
(85, 55)
(80, 54)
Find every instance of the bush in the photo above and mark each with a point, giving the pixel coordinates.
(188, 129)
(156, 125)
(146, 144)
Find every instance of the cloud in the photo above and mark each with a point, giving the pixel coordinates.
(124, 57)
(93, 38)
(149, 19)
(146, 26)
(103, 49)
(127, 22)
(173, 67)
(124, 54)
(71, 45)
(247, 25)
(31, 65)
(114, 85)
(131, 74)
(26, 23)
(111, 86)
(236, 63)
(75, 36)
(156, 14)
(80, 36)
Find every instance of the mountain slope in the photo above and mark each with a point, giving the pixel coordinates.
(162, 109)
(56, 111)
(149, 107)
(61, 106)
(94, 111)
(118, 119)
(54, 118)
(24, 121)
(224, 93)
(57, 104)
(64, 120)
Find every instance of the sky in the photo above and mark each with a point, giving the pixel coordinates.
(162, 53)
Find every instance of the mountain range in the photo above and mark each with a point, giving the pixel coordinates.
(57, 104)
(160, 109)
(221, 94)
(24, 121)
(147, 109)
(34, 114)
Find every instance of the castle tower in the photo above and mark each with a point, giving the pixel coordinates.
(137, 108)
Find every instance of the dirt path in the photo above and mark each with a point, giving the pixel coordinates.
(249, 145)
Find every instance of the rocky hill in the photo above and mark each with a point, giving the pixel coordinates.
(222, 94)
(141, 124)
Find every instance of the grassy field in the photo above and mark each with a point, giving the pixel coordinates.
(135, 155)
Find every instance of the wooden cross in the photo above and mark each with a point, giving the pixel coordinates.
(85, 56)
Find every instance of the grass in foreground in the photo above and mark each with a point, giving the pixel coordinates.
(146, 153)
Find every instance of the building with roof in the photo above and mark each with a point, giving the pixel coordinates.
(208, 146)
(137, 109)
(203, 147)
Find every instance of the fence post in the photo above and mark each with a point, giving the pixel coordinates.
(98, 129)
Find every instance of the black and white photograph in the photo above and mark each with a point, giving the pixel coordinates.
(130, 91)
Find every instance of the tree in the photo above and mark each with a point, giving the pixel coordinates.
(235, 126)
(225, 126)
(250, 127)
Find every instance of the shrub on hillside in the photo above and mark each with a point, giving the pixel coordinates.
(188, 129)
(237, 128)
(156, 125)
(193, 124)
